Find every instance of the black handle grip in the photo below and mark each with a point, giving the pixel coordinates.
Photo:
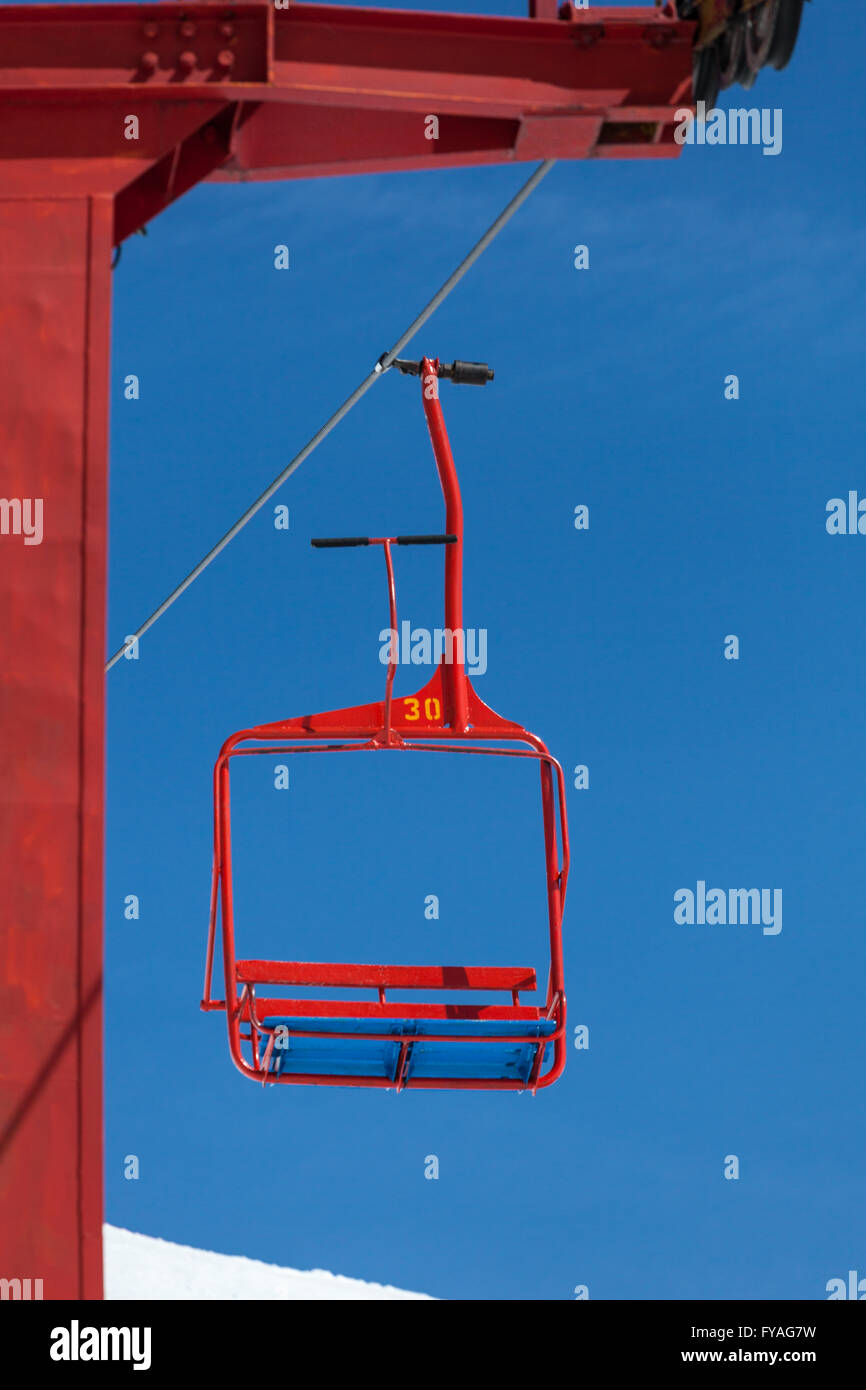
(426, 540)
(329, 542)
(471, 373)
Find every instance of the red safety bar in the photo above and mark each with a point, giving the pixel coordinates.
(446, 715)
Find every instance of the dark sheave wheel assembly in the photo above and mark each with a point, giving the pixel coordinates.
(737, 38)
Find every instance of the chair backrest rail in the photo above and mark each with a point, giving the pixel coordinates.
(380, 977)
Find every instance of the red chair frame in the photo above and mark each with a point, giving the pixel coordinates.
(446, 715)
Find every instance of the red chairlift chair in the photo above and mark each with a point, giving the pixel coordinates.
(388, 1042)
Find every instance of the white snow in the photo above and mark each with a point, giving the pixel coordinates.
(143, 1267)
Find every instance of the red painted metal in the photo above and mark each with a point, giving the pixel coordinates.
(248, 92)
(386, 976)
(223, 91)
(54, 325)
(445, 716)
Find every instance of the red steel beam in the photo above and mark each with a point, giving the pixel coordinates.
(249, 92)
(54, 326)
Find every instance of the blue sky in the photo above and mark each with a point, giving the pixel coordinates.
(706, 518)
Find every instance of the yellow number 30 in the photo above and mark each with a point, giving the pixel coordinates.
(412, 709)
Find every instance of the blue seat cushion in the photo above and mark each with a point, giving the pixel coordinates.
(464, 1059)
